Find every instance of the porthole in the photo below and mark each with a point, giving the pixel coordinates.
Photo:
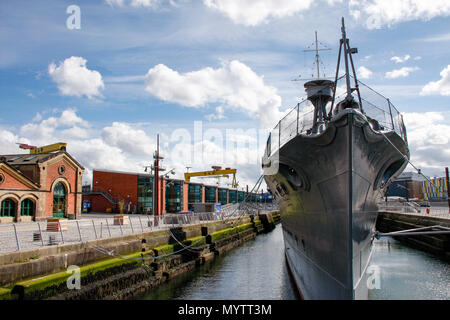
(61, 169)
(2, 178)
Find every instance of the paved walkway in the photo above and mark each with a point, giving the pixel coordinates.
(32, 235)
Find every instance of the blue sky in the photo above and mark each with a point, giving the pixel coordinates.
(139, 67)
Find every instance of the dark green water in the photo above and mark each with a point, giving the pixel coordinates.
(257, 271)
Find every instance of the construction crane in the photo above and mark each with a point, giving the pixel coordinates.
(60, 146)
(216, 172)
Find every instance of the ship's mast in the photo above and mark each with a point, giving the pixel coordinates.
(316, 50)
(348, 62)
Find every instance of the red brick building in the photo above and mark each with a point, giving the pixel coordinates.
(39, 186)
(115, 191)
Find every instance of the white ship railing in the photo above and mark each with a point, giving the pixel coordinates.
(300, 119)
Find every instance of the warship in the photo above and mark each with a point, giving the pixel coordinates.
(328, 163)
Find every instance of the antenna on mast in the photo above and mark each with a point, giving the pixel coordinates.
(317, 58)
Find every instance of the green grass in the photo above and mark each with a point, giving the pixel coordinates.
(33, 286)
(5, 294)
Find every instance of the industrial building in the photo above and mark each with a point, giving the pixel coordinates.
(39, 186)
(408, 185)
(128, 192)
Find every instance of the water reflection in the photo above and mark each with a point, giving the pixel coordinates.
(254, 271)
(257, 271)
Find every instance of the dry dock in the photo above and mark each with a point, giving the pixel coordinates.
(438, 244)
(139, 262)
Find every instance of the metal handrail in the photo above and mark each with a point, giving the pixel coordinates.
(383, 112)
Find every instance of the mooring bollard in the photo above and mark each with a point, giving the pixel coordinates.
(17, 237)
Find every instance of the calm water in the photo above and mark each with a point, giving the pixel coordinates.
(257, 271)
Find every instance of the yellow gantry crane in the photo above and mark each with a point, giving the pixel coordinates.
(45, 149)
(215, 172)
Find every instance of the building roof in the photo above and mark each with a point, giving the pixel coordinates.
(409, 175)
(18, 174)
(33, 159)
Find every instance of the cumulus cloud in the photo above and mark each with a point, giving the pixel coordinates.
(115, 2)
(441, 86)
(364, 73)
(400, 59)
(128, 147)
(428, 138)
(43, 130)
(252, 13)
(127, 138)
(379, 13)
(74, 79)
(234, 85)
(400, 73)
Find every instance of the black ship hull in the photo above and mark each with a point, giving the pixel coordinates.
(327, 187)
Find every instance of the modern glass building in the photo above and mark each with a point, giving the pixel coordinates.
(223, 196)
(174, 196)
(210, 194)
(195, 192)
(145, 194)
(232, 196)
(241, 196)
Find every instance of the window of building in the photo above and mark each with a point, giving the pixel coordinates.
(195, 192)
(223, 196)
(174, 196)
(8, 208)
(232, 194)
(59, 200)
(27, 207)
(241, 196)
(145, 194)
(210, 194)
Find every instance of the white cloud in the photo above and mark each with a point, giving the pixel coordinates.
(219, 114)
(74, 79)
(8, 142)
(234, 85)
(252, 13)
(144, 3)
(128, 139)
(364, 73)
(428, 139)
(400, 59)
(119, 3)
(379, 13)
(43, 131)
(441, 86)
(400, 73)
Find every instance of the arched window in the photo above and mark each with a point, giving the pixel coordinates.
(8, 208)
(59, 200)
(27, 207)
